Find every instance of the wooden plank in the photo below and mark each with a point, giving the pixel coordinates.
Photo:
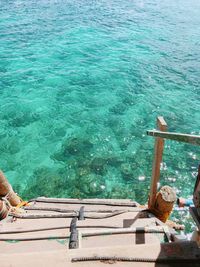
(186, 138)
(195, 216)
(158, 151)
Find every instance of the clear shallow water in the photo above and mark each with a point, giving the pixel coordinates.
(82, 81)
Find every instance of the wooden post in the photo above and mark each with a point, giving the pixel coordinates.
(6, 190)
(164, 202)
(158, 152)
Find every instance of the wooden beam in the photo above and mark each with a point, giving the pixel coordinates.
(186, 138)
(158, 152)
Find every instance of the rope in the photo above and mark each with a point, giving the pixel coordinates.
(133, 259)
(105, 216)
(6, 198)
(41, 216)
(22, 203)
(84, 201)
(12, 210)
(64, 215)
(33, 238)
(54, 228)
(86, 210)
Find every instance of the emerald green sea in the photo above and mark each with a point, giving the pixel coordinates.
(82, 81)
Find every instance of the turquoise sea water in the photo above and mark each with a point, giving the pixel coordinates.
(82, 81)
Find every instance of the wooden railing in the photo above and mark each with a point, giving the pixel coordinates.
(160, 135)
(186, 138)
